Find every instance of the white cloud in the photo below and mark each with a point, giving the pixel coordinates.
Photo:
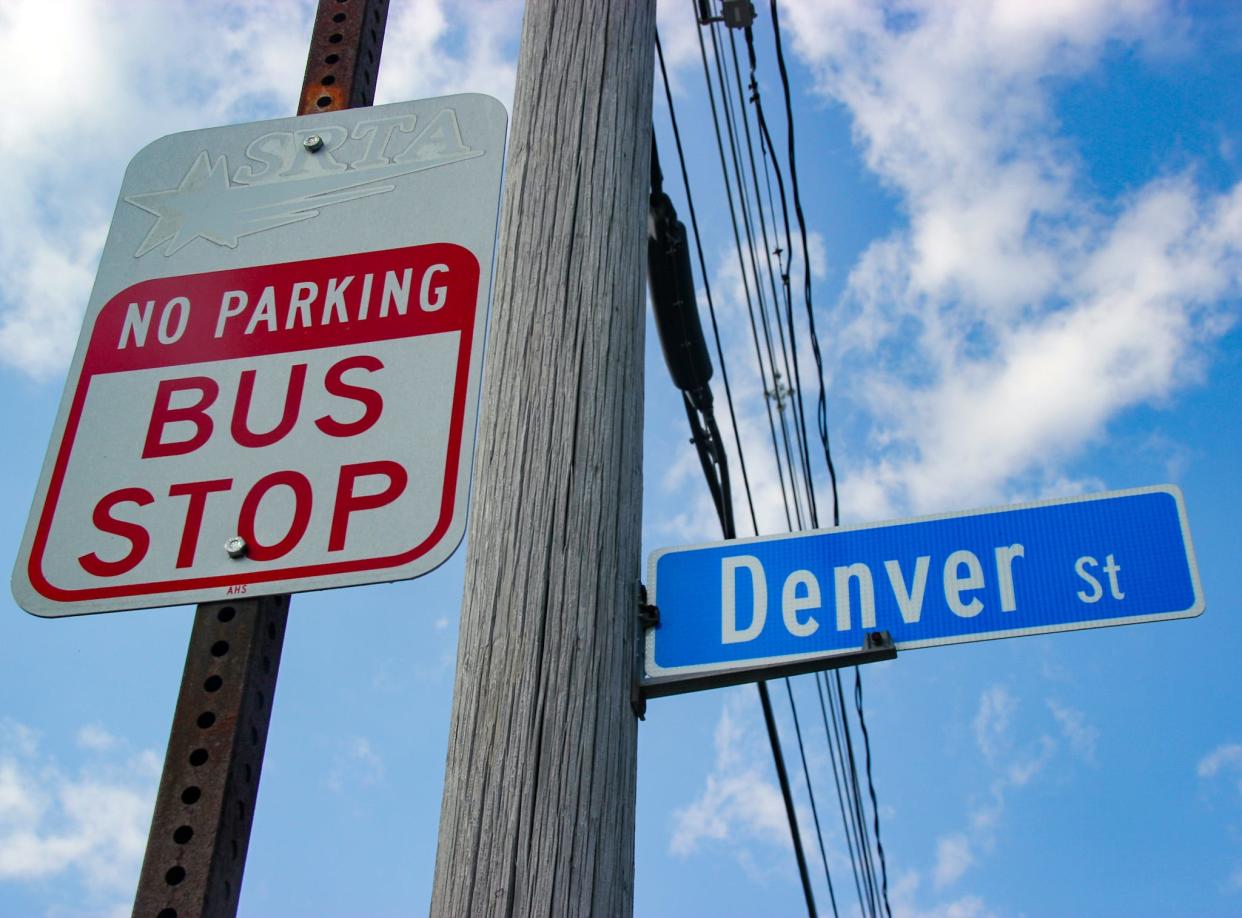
(1014, 758)
(680, 44)
(1226, 756)
(1082, 736)
(953, 857)
(1223, 759)
(121, 75)
(996, 708)
(89, 827)
(355, 763)
(1013, 316)
(96, 737)
(739, 803)
(1022, 770)
(435, 48)
(904, 893)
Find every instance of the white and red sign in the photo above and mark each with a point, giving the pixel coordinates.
(268, 428)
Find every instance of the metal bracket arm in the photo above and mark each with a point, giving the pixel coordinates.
(878, 646)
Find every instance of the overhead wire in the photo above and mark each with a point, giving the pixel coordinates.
(776, 393)
(862, 849)
(838, 772)
(711, 447)
(720, 465)
(741, 118)
(822, 407)
(707, 287)
(711, 96)
(759, 353)
(786, 339)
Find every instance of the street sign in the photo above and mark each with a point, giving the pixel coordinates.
(1059, 565)
(276, 385)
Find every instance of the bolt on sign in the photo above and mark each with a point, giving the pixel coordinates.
(276, 384)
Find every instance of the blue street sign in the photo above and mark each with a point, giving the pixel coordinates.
(1058, 565)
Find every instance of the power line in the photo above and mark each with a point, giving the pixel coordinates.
(786, 342)
(819, 832)
(707, 439)
(863, 848)
(719, 464)
(733, 144)
(742, 268)
(822, 404)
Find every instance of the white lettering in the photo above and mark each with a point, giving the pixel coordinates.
(438, 140)
(364, 301)
(303, 294)
(1004, 572)
(136, 325)
(729, 632)
(396, 292)
(1111, 568)
(954, 584)
(423, 302)
(1080, 568)
(183, 316)
(909, 602)
(265, 311)
(792, 603)
(231, 304)
(377, 132)
(273, 152)
(866, 595)
(334, 300)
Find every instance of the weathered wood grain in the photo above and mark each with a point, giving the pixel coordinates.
(538, 809)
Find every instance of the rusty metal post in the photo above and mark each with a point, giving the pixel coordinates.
(196, 851)
(344, 55)
(204, 809)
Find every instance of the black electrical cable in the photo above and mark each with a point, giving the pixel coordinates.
(734, 151)
(821, 684)
(711, 97)
(822, 406)
(727, 526)
(786, 342)
(776, 393)
(875, 806)
(769, 150)
(711, 442)
(864, 835)
(819, 832)
(707, 287)
(863, 847)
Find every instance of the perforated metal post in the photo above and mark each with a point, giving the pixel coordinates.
(196, 851)
(344, 55)
(204, 809)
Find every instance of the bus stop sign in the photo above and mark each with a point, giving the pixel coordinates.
(276, 384)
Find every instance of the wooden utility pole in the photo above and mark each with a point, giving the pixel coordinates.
(538, 809)
(204, 809)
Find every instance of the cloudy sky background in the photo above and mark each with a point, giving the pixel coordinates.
(1027, 250)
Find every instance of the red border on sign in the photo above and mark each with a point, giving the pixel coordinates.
(199, 342)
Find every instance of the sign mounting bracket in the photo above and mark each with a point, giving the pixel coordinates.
(877, 646)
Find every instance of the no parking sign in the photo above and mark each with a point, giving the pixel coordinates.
(276, 385)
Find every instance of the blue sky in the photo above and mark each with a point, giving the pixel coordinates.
(1027, 253)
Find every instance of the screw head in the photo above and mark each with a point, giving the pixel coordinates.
(313, 143)
(236, 547)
